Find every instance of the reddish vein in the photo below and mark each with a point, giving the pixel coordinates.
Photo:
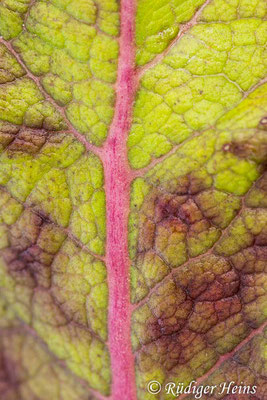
(118, 176)
(227, 356)
(117, 185)
(79, 136)
(183, 29)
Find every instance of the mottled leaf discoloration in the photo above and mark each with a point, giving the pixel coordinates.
(133, 197)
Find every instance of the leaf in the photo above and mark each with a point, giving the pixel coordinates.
(133, 198)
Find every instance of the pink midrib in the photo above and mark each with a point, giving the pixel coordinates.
(118, 178)
(117, 187)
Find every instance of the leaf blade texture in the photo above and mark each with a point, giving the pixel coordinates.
(133, 197)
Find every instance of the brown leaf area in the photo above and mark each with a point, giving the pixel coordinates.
(200, 317)
(200, 300)
(247, 368)
(15, 139)
(29, 371)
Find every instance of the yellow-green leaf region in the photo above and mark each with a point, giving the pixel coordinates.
(197, 228)
(133, 199)
(72, 45)
(58, 62)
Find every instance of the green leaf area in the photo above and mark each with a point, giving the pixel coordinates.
(195, 158)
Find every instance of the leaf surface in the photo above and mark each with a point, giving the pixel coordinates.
(133, 197)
